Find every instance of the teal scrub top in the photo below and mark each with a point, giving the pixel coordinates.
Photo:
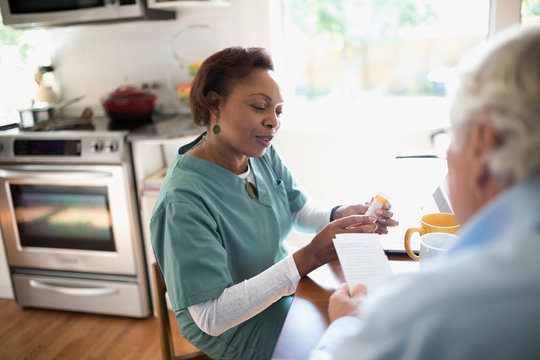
(209, 234)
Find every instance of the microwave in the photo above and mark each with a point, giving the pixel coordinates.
(32, 13)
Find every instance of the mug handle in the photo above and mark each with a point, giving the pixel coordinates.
(408, 235)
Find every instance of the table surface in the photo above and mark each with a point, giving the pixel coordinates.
(308, 316)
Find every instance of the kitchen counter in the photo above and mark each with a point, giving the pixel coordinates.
(173, 127)
(162, 128)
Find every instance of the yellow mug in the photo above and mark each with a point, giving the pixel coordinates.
(431, 223)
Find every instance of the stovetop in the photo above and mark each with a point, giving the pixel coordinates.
(102, 142)
(173, 126)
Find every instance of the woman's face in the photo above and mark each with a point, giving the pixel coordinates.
(249, 117)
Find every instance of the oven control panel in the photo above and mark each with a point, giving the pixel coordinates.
(44, 147)
(82, 147)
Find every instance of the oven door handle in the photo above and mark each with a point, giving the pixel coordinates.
(53, 175)
(74, 291)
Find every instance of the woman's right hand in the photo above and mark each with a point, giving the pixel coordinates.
(321, 249)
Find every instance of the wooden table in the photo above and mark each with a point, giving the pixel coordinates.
(308, 316)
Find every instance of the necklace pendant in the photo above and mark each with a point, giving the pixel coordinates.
(251, 190)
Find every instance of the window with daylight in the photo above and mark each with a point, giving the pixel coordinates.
(530, 13)
(376, 65)
(369, 80)
(21, 53)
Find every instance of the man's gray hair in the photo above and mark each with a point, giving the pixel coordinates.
(502, 86)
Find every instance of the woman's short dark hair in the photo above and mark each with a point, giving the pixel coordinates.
(219, 73)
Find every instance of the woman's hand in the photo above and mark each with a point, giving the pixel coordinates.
(384, 215)
(343, 304)
(321, 249)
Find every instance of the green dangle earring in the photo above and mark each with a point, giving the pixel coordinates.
(216, 129)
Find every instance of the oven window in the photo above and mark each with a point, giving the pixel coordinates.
(68, 217)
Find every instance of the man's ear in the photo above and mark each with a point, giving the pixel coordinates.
(483, 141)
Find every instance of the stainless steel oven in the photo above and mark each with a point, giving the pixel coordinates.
(70, 222)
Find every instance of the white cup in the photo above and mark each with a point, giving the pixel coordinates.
(435, 244)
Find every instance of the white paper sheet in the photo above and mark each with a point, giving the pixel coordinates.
(362, 259)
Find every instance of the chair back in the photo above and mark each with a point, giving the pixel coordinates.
(166, 341)
(165, 336)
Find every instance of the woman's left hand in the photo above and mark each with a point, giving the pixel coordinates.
(383, 222)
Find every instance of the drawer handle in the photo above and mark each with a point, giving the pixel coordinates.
(53, 175)
(75, 291)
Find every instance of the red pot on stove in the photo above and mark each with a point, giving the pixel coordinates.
(129, 104)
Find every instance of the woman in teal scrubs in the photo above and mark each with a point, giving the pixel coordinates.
(225, 207)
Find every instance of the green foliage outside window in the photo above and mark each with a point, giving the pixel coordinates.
(530, 12)
(386, 17)
(360, 29)
(12, 37)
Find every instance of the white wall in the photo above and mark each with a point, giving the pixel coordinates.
(93, 60)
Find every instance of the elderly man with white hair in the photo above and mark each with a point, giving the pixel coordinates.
(482, 299)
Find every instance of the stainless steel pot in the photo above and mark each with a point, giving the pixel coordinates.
(40, 112)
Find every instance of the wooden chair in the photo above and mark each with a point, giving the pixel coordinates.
(167, 348)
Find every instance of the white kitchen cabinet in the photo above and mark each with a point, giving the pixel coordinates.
(172, 4)
(151, 155)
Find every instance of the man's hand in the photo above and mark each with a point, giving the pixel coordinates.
(343, 304)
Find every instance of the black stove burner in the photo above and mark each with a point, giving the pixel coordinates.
(128, 125)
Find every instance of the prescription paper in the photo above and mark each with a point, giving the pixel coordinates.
(362, 259)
